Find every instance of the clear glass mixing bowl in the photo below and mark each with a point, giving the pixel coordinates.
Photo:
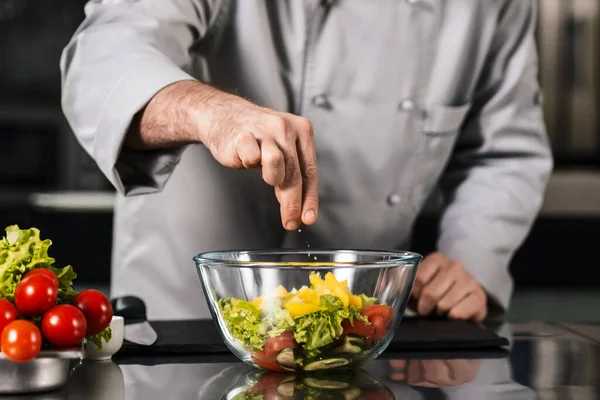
(302, 310)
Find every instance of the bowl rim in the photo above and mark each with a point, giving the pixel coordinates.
(396, 257)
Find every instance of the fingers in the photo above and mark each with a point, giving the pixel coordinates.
(472, 307)
(443, 282)
(282, 145)
(428, 268)
(456, 295)
(272, 162)
(248, 150)
(307, 157)
(447, 286)
(289, 193)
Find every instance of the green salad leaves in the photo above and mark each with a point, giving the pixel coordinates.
(246, 323)
(323, 327)
(21, 251)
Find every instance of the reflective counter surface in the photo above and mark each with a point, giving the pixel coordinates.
(544, 361)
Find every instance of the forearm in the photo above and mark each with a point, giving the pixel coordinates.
(178, 115)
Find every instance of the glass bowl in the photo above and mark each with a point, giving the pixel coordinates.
(303, 310)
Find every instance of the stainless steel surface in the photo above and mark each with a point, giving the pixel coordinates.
(546, 361)
(140, 333)
(49, 371)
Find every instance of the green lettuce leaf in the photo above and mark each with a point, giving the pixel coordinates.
(65, 276)
(366, 300)
(21, 250)
(97, 339)
(323, 327)
(244, 322)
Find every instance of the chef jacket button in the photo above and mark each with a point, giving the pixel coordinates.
(393, 199)
(412, 2)
(322, 101)
(407, 105)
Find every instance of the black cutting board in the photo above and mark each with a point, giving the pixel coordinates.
(413, 334)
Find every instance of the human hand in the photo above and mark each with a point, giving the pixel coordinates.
(445, 286)
(243, 135)
(434, 373)
(240, 135)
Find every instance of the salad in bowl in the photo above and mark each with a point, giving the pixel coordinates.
(321, 315)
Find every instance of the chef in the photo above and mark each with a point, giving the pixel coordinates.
(232, 124)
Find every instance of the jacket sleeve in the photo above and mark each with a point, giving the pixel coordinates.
(495, 180)
(120, 57)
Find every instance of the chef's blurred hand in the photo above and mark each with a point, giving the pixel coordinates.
(434, 373)
(445, 287)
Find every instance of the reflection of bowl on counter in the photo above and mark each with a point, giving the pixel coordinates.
(307, 310)
(349, 385)
(48, 371)
(93, 380)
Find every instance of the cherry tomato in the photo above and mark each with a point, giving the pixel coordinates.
(44, 272)
(386, 313)
(35, 295)
(276, 344)
(64, 326)
(267, 385)
(380, 331)
(8, 313)
(378, 395)
(268, 382)
(360, 328)
(21, 341)
(269, 364)
(96, 308)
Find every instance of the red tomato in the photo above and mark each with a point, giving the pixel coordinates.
(386, 312)
(64, 326)
(378, 395)
(8, 313)
(380, 331)
(21, 341)
(35, 295)
(269, 364)
(276, 344)
(268, 382)
(96, 308)
(360, 328)
(44, 272)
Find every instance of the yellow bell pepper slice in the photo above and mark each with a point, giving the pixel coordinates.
(305, 293)
(354, 300)
(298, 308)
(315, 280)
(280, 291)
(258, 302)
(336, 289)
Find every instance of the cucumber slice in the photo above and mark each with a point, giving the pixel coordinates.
(286, 359)
(355, 340)
(351, 394)
(328, 363)
(286, 389)
(325, 384)
(352, 345)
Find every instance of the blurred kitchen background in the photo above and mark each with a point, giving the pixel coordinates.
(47, 181)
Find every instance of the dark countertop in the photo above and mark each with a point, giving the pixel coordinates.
(546, 360)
